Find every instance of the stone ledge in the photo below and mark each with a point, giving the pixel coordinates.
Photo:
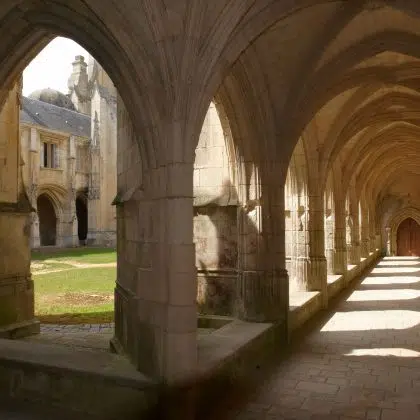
(20, 329)
(59, 359)
(232, 355)
(77, 381)
(352, 272)
(302, 306)
(219, 347)
(335, 283)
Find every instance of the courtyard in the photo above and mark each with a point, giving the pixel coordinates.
(74, 286)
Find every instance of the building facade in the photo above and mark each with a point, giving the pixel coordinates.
(68, 159)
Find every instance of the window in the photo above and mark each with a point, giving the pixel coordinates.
(50, 157)
(81, 159)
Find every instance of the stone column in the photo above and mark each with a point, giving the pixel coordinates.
(156, 290)
(340, 249)
(353, 247)
(69, 221)
(372, 234)
(312, 265)
(388, 242)
(364, 232)
(16, 286)
(262, 292)
(329, 240)
(35, 238)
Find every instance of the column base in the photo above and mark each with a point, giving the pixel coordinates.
(262, 296)
(372, 244)
(20, 329)
(329, 255)
(340, 261)
(314, 271)
(364, 248)
(354, 254)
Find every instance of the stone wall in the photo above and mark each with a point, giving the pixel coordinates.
(215, 219)
(16, 285)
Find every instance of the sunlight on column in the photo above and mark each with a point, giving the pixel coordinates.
(372, 320)
(376, 295)
(397, 352)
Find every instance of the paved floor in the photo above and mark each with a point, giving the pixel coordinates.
(361, 362)
(93, 337)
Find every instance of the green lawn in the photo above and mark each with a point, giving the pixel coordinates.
(66, 293)
(82, 255)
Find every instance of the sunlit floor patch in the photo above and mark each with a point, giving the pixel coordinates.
(397, 352)
(372, 280)
(397, 270)
(372, 320)
(381, 295)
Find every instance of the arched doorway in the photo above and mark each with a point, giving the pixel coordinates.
(82, 219)
(408, 238)
(47, 221)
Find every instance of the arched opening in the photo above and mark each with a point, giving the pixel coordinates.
(47, 221)
(408, 238)
(82, 219)
(68, 148)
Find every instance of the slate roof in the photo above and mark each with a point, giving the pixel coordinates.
(54, 117)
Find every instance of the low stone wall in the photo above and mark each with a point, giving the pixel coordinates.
(216, 292)
(102, 385)
(304, 309)
(305, 305)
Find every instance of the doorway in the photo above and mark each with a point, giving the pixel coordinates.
(47, 221)
(408, 238)
(82, 219)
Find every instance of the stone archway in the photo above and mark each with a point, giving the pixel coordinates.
(408, 238)
(394, 224)
(47, 221)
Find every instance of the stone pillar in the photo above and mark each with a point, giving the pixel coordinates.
(378, 241)
(312, 265)
(156, 290)
(388, 242)
(16, 286)
(329, 240)
(364, 233)
(69, 222)
(262, 292)
(69, 218)
(372, 235)
(353, 244)
(35, 238)
(340, 249)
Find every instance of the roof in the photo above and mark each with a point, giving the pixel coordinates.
(54, 117)
(54, 97)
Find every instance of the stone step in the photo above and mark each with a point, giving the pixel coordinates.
(87, 382)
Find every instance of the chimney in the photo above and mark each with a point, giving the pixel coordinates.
(79, 77)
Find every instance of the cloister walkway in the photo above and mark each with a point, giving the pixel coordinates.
(361, 361)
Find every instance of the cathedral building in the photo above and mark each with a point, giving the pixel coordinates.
(68, 159)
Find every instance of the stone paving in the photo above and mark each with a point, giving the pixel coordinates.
(94, 337)
(83, 336)
(361, 362)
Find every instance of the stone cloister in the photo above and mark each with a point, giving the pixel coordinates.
(317, 105)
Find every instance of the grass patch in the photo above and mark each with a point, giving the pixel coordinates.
(81, 255)
(73, 295)
(90, 280)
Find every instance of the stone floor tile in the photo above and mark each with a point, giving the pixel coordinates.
(363, 355)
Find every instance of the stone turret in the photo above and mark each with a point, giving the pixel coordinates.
(78, 85)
